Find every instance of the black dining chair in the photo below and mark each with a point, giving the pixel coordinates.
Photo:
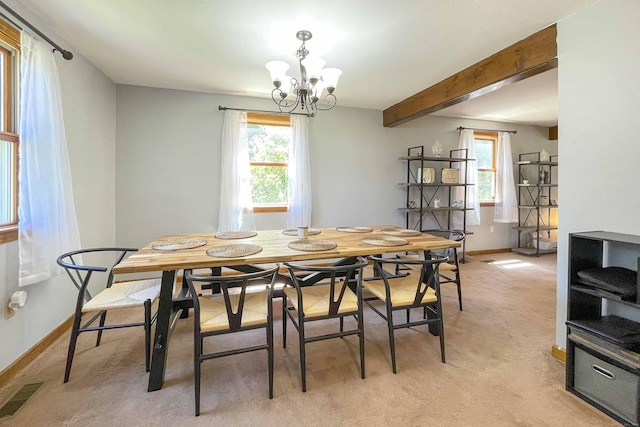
(244, 303)
(112, 295)
(449, 271)
(336, 296)
(418, 289)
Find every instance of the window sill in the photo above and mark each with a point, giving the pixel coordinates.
(485, 204)
(270, 209)
(8, 234)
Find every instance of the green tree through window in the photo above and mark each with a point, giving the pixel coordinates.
(269, 159)
(485, 153)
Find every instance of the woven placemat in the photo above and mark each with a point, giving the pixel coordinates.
(234, 250)
(308, 245)
(177, 244)
(384, 241)
(294, 231)
(354, 229)
(402, 232)
(229, 235)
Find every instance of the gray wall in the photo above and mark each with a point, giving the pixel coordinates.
(598, 89)
(168, 177)
(89, 100)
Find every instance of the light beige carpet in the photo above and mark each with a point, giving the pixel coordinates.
(499, 370)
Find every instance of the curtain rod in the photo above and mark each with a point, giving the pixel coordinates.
(490, 130)
(65, 53)
(221, 108)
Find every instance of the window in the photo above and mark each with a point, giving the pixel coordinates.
(269, 138)
(9, 49)
(486, 144)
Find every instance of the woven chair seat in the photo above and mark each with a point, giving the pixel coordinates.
(213, 312)
(124, 294)
(402, 290)
(445, 266)
(316, 300)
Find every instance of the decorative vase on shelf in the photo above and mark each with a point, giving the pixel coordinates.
(544, 156)
(437, 149)
(543, 177)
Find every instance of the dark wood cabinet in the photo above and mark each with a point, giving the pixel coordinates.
(603, 327)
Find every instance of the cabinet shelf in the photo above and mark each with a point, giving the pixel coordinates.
(534, 202)
(603, 342)
(537, 206)
(431, 184)
(536, 162)
(434, 159)
(431, 208)
(534, 228)
(601, 293)
(422, 196)
(533, 251)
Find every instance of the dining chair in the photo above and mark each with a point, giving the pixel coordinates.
(336, 296)
(244, 303)
(418, 289)
(112, 295)
(449, 271)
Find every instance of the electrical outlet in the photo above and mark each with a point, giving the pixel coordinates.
(8, 311)
(491, 229)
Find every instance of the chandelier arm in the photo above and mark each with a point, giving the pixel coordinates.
(283, 105)
(312, 109)
(329, 98)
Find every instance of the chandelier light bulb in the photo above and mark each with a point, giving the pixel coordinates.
(285, 86)
(278, 71)
(317, 90)
(330, 77)
(313, 66)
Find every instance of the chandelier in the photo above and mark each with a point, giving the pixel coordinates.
(314, 82)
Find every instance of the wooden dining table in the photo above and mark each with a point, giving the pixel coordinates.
(173, 305)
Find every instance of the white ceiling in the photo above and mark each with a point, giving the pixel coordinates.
(388, 50)
(533, 101)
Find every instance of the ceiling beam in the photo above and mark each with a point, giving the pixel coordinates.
(528, 57)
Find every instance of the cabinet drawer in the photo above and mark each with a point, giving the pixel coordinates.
(608, 385)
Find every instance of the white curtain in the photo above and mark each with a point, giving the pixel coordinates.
(506, 207)
(48, 225)
(236, 207)
(467, 141)
(299, 174)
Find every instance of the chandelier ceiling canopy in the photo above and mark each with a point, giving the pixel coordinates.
(316, 83)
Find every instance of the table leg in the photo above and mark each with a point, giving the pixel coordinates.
(161, 341)
(434, 329)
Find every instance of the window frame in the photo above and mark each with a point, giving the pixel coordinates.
(10, 48)
(493, 138)
(266, 119)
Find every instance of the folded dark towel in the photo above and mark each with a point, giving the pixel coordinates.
(618, 280)
(617, 330)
